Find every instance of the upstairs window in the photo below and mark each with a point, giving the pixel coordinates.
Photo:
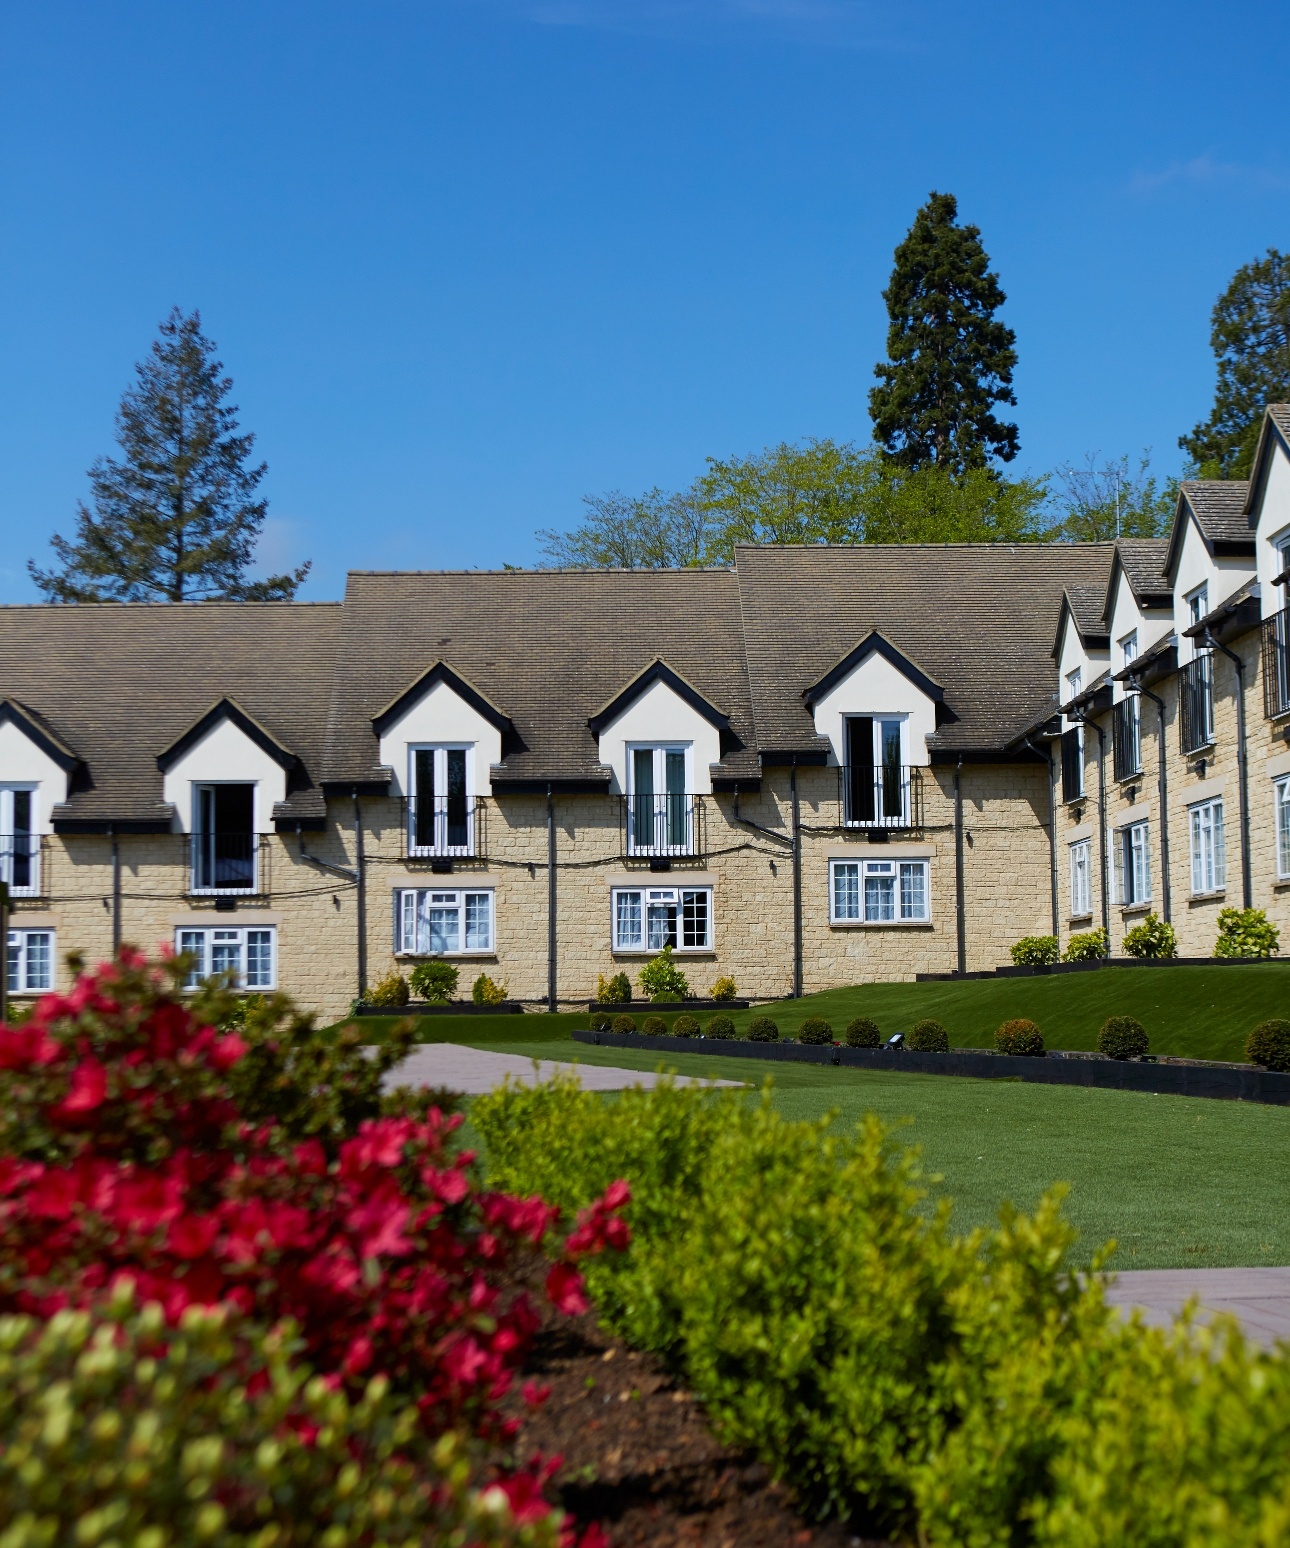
(223, 838)
(1074, 683)
(441, 809)
(1126, 737)
(1197, 604)
(1129, 648)
(660, 811)
(1133, 864)
(650, 918)
(19, 845)
(876, 779)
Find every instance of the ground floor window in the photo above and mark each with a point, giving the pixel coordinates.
(1208, 848)
(31, 960)
(1081, 879)
(650, 918)
(879, 891)
(435, 922)
(1133, 864)
(1282, 793)
(248, 953)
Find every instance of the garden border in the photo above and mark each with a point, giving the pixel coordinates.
(1044, 969)
(443, 1008)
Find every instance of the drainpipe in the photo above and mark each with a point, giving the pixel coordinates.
(4, 936)
(1164, 789)
(1101, 821)
(360, 877)
(1052, 827)
(960, 913)
(550, 903)
(116, 890)
(1242, 769)
(797, 883)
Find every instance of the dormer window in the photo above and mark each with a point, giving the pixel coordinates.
(876, 777)
(441, 807)
(1129, 647)
(1198, 603)
(224, 844)
(19, 845)
(660, 807)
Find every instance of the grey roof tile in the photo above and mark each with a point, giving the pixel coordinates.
(1219, 507)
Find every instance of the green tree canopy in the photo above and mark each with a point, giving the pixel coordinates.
(949, 359)
(1104, 500)
(653, 531)
(810, 493)
(1250, 337)
(177, 518)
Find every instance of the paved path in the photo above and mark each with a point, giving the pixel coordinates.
(476, 1070)
(1259, 1298)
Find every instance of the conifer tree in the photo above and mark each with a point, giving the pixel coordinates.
(949, 359)
(177, 518)
(1250, 337)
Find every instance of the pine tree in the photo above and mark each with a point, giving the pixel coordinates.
(1250, 337)
(949, 359)
(176, 519)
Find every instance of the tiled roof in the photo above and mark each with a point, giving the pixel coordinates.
(1088, 608)
(1219, 507)
(1143, 563)
(1280, 413)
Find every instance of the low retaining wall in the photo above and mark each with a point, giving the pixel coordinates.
(1095, 967)
(652, 1007)
(1241, 1083)
(438, 1008)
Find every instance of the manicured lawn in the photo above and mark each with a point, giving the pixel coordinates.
(1178, 1182)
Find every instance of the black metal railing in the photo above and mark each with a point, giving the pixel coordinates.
(669, 826)
(223, 862)
(20, 863)
(447, 827)
(889, 796)
(1126, 737)
(1276, 664)
(1072, 765)
(1196, 704)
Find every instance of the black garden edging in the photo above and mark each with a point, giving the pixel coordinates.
(1046, 968)
(652, 1007)
(438, 1008)
(1239, 1083)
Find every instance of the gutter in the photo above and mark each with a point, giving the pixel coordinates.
(1242, 766)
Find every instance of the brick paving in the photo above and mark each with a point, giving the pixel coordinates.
(1259, 1298)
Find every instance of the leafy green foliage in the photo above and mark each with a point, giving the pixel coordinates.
(724, 988)
(484, 991)
(1246, 932)
(623, 1024)
(1269, 1045)
(654, 1026)
(1153, 938)
(601, 1021)
(928, 1037)
(1089, 946)
(653, 531)
(1123, 1037)
(685, 1026)
(435, 980)
(1019, 1037)
(862, 1033)
(613, 991)
(720, 1027)
(388, 993)
(661, 979)
(1102, 501)
(1034, 951)
(815, 1030)
(762, 1029)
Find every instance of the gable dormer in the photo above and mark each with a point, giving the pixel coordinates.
(877, 683)
(225, 760)
(659, 734)
(1211, 549)
(1268, 507)
(36, 766)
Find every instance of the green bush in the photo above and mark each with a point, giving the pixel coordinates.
(720, 1027)
(928, 1037)
(1034, 951)
(613, 991)
(1123, 1037)
(1088, 947)
(1246, 932)
(435, 980)
(485, 992)
(1269, 1045)
(815, 1029)
(661, 979)
(724, 988)
(623, 1024)
(685, 1026)
(654, 1026)
(1019, 1037)
(761, 1029)
(863, 1033)
(389, 993)
(601, 1021)
(1153, 938)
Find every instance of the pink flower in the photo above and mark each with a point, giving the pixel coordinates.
(192, 1236)
(564, 1289)
(89, 1089)
(226, 1051)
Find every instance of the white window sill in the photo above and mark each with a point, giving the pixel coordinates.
(1128, 910)
(1282, 884)
(881, 924)
(677, 951)
(446, 956)
(1208, 897)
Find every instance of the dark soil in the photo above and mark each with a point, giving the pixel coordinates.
(639, 1456)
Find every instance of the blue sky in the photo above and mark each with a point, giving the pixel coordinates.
(468, 260)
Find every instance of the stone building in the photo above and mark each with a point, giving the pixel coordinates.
(821, 766)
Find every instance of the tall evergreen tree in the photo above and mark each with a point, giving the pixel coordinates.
(1250, 337)
(177, 518)
(949, 359)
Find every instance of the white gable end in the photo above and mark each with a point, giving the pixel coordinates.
(661, 716)
(441, 717)
(225, 755)
(22, 762)
(876, 687)
(1273, 529)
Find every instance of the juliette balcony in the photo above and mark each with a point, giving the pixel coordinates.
(224, 863)
(1276, 665)
(887, 797)
(20, 863)
(662, 827)
(1196, 704)
(447, 827)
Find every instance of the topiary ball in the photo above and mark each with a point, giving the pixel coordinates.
(863, 1033)
(928, 1037)
(720, 1027)
(624, 1024)
(654, 1026)
(815, 1030)
(1123, 1037)
(1019, 1037)
(1269, 1045)
(601, 1021)
(685, 1026)
(761, 1029)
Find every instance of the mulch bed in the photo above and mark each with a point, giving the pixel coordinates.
(639, 1456)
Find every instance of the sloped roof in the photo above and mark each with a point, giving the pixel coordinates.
(1087, 605)
(1143, 563)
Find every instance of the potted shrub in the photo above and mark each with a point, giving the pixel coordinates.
(661, 979)
(1087, 947)
(1152, 940)
(724, 989)
(435, 980)
(1034, 951)
(613, 991)
(1246, 932)
(485, 992)
(390, 993)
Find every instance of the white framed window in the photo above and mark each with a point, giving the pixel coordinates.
(660, 805)
(879, 891)
(443, 921)
(249, 952)
(1081, 878)
(224, 843)
(1208, 848)
(30, 964)
(650, 918)
(1129, 648)
(1281, 795)
(19, 843)
(1133, 864)
(1197, 604)
(875, 775)
(441, 806)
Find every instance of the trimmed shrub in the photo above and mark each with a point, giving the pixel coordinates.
(1087, 947)
(1269, 1045)
(685, 1026)
(815, 1030)
(435, 980)
(654, 1026)
(613, 991)
(1123, 1037)
(724, 988)
(661, 979)
(623, 1024)
(1019, 1037)
(720, 1027)
(1246, 932)
(391, 992)
(1152, 939)
(485, 992)
(863, 1033)
(928, 1037)
(602, 1021)
(761, 1029)
(1034, 951)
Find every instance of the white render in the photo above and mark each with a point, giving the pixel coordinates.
(225, 756)
(658, 717)
(1196, 567)
(441, 717)
(1273, 525)
(23, 763)
(1128, 618)
(1072, 655)
(876, 687)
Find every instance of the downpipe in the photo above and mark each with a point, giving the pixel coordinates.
(1163, 781)
(1242, 768)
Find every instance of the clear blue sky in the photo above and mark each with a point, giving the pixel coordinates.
(468, 260)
